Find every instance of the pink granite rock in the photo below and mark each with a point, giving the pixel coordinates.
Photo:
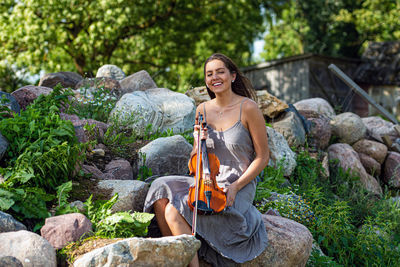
(60, 230)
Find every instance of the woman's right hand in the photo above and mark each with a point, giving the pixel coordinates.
(203, 134)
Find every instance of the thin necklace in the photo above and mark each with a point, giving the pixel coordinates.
(220, 113)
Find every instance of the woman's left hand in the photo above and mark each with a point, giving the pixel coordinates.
(231, 192)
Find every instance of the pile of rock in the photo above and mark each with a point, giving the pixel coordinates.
(360, 146)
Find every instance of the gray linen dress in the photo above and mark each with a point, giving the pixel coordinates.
(238, 233)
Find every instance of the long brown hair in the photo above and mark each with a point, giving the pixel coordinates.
(241, 86)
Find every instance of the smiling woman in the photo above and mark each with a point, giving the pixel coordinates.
(236, 134)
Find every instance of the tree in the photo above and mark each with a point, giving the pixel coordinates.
(313, 26)
(170, 38)
(375, 20)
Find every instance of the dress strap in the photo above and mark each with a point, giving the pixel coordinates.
(240, 113)
(204, 111)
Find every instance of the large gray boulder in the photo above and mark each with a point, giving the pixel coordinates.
(29, 248)
(110, 71)
(166, 155)
(378, 127)
(289, 244)
(348, 127)
(139, 81)
(63, 229)
(348, 159)
(291, 127)
(280, 152)
(161, 108)
(152, 252)
(9, 224)
(317, 104)
(131, 193)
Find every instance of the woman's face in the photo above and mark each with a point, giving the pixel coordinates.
(218, 77)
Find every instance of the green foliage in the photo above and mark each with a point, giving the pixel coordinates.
(95, 103)
(120, 224)
(170, 39)
(313, 26)
(42, 154)
(292, 207)
(144, 171)
(10, 80)
(271, 180)
(318, 259)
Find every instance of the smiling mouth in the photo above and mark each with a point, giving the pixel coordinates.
(216, 84)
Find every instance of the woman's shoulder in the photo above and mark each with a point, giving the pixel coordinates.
(249, 105)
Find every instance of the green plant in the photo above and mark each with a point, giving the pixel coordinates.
(271, 180)
(95, 103)
(42, 154)
(120, 224)
(144, 171)
(292, 207)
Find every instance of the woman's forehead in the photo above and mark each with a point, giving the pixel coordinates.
(214, 65)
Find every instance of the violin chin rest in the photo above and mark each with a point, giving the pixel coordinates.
(202, 207)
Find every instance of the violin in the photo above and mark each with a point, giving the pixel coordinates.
(205, 197)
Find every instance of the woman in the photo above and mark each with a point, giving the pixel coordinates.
(236, 134)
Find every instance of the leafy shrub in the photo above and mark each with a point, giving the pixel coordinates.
(292, 207)
(120, 224)
(42, 154)
(96, 103)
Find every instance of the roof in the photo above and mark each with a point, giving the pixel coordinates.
(273, 63)
(381, 64)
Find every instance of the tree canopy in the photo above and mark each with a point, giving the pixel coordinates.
(332, 27)
(170, 38)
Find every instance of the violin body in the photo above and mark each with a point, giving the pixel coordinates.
(211, 198)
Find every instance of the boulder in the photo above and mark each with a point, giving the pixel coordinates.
(291, 127)
(391, 169)
(348, 127)
(370, 164)
(280, 152)
(139, 81)
(29, 248)
(9, 224)
(289, 244)
(199, 94)
(160, 108)
(63, 229)
(82, 135)
(375, 150)
(86, 88)
(320, 132)
(270, 105)
(348, 159)
(318, 105)
(378, 127)
(27, 94)
(166, 155)
(3, 145)
(110, 71)
(11, 102)
(131, 193)
(121, 169)
(65, 78)
(165, 251)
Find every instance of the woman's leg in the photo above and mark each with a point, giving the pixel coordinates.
(178, 225)
(159, 210)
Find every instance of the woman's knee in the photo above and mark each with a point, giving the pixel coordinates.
(171, 213)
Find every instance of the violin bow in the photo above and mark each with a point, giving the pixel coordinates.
(196, 192)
